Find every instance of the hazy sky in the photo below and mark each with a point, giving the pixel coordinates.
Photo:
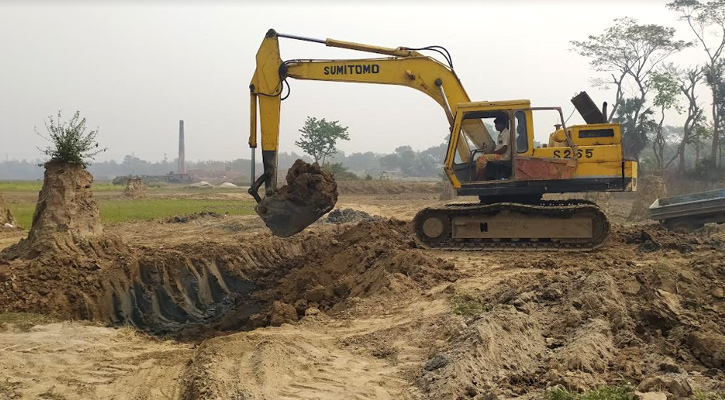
(134, 70)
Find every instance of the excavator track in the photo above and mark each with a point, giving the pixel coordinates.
(571, 225)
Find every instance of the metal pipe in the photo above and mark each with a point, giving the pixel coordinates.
(254, 154)
(306, 39)
(447, 107)
(253, 120)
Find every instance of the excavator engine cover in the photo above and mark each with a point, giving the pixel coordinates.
(310, 193)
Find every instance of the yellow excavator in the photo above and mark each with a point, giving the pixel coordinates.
(511, 214)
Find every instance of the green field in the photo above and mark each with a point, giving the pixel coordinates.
(24, 186)
(21, 196)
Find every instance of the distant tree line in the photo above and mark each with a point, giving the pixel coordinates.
(404, 161)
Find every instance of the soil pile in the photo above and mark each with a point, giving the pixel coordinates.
(135, 188)
(66, 212)
(5, 216)
(341, 216)
(649, 189)
(652, 237)
(370, 258)
(592, 320)
(310, 193)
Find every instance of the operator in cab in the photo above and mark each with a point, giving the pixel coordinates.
(502, 153)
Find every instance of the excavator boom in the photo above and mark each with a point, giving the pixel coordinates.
(404, 68)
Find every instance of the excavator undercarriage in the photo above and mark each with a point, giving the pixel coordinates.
(567, 225)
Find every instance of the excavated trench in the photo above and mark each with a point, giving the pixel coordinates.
(177, 291)
(191, 289)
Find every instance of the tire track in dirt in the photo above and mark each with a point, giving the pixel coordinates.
(291, 362)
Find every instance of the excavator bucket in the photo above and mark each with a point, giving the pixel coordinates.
(310, 193)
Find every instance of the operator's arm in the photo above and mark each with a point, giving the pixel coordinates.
(501, 150)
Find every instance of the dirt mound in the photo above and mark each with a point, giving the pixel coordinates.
(370, 258)
(592, 320)
(310, 193)
(5, 216)
(652, 237)
(63, 279)
(201, 287)
(649, 189)
(341, 216)
(135, 188)
(66, 212)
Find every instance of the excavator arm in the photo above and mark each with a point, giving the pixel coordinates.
(403, 67)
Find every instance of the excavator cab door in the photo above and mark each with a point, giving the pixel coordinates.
(483, 164)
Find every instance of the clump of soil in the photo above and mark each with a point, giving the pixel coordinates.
(66, 211)
(341, 216)
(649, 189)
(135, 188)
(310, 193)
(5, 216)
(190, 217)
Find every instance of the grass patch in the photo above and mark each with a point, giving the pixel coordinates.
(22, 186)
(602, 393)
(23, 321)
(468, 305)
(122, 210)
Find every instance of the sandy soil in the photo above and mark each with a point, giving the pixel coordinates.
(71, 360)
(373, 317)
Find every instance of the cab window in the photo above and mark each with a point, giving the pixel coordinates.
(522, 134)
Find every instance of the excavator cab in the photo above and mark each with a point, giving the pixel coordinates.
(492, 162)
(580, 158)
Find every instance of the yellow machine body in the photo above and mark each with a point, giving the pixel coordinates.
(579, 158)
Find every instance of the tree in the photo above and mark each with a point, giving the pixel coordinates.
(341, 172)
(687, 80)
(666, 89)
(701, 17)
(70, 144)
(630, 52)
(636, 125)
(715, 79)
(319, 138)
